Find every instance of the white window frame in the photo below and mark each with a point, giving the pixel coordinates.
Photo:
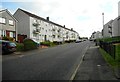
(2, 20)
(3, 33)
(11, 22)
(35, 21)
(11, 34)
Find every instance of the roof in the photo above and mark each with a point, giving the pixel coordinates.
(118, 18)
(5, 10)
(33, 15)
(38, 17)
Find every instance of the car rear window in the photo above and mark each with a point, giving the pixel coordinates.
(12, 44)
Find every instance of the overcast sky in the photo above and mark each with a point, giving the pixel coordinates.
(84, 16)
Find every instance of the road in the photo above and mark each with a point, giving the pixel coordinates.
(55, 63)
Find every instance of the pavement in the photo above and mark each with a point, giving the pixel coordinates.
(94, 67)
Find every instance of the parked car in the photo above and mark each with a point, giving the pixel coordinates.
(90, 40)
(77, 41)
(7, 46)
(38, 43)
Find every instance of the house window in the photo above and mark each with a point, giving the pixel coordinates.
(58, 36)
(53, 36)
(3, 33)
(11, 34)
(2, 20)
(14, 34)
(35, 21)
(11, 22)
(34, 35)
(53, 29)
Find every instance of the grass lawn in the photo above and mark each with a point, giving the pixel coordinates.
(118, 52)
(111, 61)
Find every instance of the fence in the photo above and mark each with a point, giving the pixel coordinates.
(113, 48)
(109, 47)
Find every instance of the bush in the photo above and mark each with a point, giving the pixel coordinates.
(20, 46)
(56, 43)
(118, 52)
(111, 39)
(47, 43)
(29, 44)
(8, 38)
(4, 38)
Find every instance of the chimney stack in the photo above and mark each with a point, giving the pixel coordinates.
(47, 18)
(64, 26)
(72, 29)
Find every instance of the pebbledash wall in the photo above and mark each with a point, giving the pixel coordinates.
(115, 27)
(45, 29)
(107, 30)
(8, 24)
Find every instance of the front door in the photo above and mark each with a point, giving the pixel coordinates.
(45, 37)
(7, 33)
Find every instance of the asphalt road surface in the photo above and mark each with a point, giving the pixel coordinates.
(55, 63)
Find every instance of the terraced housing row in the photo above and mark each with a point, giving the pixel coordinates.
(24, 24)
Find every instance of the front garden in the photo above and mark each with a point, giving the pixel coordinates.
(29, 44)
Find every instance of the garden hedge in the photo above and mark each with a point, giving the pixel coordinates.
(29, 44)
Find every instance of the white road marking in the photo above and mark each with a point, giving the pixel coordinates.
(98, 65)
(17, 53)
(21, 55)
(94, 47)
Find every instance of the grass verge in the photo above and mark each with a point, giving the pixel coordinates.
(114, 64)
(111, 61)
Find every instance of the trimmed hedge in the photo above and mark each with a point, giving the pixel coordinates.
(47, 43)
(111, 39)
(111, 46)
(29, 44)
(20, 46)
(117, 52)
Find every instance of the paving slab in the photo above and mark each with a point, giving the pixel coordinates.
(94, 67)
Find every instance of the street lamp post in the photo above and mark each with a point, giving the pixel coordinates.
(103, 19)
(103, 23)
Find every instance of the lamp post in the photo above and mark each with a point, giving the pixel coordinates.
(103, 19)
(103, 23)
